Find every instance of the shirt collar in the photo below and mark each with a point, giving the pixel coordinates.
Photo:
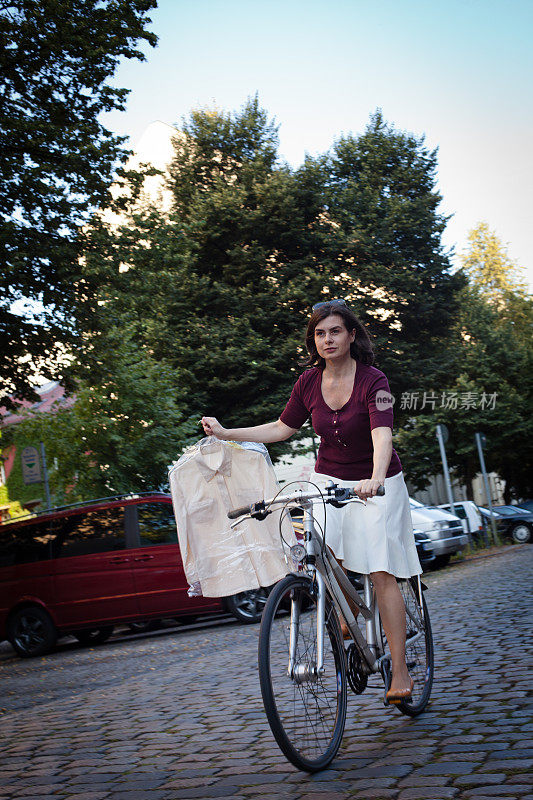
(224, 468)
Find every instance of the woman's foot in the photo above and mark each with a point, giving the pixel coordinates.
(400, 690)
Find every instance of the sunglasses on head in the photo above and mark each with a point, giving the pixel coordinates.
(340, 302)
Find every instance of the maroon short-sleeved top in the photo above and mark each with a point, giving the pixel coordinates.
(346, 449)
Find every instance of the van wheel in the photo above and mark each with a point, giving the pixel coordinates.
(94, 635)
(31, 632)
(247, 607)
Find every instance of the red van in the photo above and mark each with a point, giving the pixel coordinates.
(82, 569)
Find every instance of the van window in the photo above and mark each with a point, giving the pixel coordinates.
(24, 544)
(459, 511)
(86, 534)
(157, 524)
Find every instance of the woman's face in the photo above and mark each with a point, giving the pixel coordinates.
(332, 340)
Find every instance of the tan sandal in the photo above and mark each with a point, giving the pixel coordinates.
(401, 695)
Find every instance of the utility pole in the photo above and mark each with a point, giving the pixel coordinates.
(481, 441)
(442, 437)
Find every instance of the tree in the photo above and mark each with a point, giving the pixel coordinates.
(381, 196)
(120, 435)
(250, 246)
(491, 380)
(221, 288)
(489, 268)
(56, 161)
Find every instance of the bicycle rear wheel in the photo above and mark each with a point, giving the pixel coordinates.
(418, 651)
(306, 711)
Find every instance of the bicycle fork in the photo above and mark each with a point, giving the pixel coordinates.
(310, 670)
(307, 671)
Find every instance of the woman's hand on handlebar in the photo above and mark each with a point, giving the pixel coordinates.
(212, 427)
(367, 488)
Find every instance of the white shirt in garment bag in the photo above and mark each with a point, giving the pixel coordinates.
(205, 484)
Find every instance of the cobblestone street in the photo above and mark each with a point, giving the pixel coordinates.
(178, 713)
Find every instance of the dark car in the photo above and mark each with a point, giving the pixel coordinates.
(85, 568)
(511, 521)
(425, 550)
(527, 505)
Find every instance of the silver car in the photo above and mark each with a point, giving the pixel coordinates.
(443, 529)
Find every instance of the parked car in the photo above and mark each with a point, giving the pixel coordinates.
(527, 505)
(425, 550)
(85, 568)
(511, 521)
(470, 516)
(444, 530)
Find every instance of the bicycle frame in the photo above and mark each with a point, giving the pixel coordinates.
(328, 572)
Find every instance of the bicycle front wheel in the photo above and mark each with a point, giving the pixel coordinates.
(306, 710)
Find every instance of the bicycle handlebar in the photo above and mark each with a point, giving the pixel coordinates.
(261, 508)
(240, 512)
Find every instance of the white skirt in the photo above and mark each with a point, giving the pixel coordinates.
(376, 536)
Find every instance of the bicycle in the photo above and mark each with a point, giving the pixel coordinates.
(304, 667)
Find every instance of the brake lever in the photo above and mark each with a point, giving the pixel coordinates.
(238, 521)
(259, 515)
(341, 497)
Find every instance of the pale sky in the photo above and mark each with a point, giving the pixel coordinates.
(457, 71)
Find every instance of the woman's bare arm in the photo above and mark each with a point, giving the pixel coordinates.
(382, 441)
(270, 432)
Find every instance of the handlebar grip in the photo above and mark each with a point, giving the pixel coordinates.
(380, 492)
(239, 512)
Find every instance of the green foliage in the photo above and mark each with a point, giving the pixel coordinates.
(206, 306)
(221, 288)
(491, 357)
(381, 194)
(489, 268)
(120, 435)
(56, 160)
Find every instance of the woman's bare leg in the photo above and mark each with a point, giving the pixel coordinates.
(392, 611)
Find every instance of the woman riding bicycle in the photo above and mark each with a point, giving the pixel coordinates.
(351, 410)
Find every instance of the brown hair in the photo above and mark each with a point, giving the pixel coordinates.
(361, 347)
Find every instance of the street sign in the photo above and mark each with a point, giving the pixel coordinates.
(443, 432)
(31, 465)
